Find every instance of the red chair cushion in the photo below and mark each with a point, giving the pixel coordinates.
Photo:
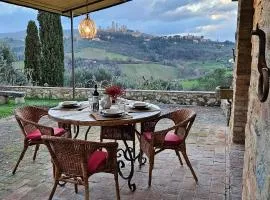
(170, 138)
(173, 139)
(36, 134)
(96, 160)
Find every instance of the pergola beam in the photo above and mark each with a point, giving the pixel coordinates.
(63, 7)
(81, 6)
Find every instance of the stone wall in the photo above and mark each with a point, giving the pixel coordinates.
(167, 97)
(256, 174)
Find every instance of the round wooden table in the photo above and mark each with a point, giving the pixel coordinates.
(83, 116)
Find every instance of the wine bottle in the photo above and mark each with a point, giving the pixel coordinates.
(95, 106)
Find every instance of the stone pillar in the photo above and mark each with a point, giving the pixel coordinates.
(19, 100)
(242, 70)
(3, 99)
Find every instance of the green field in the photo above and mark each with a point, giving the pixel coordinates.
(8, 109)
(18, 64)
(99, 54)
(157, 71)
(188, 84)
(201, 65)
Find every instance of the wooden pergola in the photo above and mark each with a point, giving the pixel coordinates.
(68, 8)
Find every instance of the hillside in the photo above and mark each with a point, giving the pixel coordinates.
(130, 56)
(20, 35)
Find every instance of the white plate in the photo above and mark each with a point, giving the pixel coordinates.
(140, 105)
(69, 104)
(111, 112)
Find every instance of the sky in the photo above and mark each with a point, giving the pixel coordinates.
(213, 19)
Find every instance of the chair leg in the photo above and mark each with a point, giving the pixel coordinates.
(53, 190)
(36, 150)
(86, 191)
(134, 153)
(189, 165)
(179, 157)
(140, 158)
(117, 185)
(20, 158)
(151, 166)
(69, 134)
(76, 188)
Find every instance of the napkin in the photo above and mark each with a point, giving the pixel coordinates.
(99, 117)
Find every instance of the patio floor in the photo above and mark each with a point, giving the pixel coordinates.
(217, 165)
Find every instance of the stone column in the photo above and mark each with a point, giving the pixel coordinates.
(242, 70)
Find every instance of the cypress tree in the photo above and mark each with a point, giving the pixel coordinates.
(52, 48)
(32, 53)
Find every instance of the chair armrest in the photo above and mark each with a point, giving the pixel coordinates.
(149, 126)
(159, 136)
(45, 130)
(42, 111)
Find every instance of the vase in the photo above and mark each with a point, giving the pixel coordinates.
(106, 102)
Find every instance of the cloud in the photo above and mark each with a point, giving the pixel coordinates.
(208, 28)
(202, 8)
(213, 18)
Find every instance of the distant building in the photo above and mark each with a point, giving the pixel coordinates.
(115, 27)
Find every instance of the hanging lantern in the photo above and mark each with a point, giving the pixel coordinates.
(87, 28)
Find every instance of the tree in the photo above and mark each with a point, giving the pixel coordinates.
(52, 49)
(7, 54)
(220, 76)
(8, 73)
(32, 54)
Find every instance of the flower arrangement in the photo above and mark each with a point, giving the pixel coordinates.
(114, 91)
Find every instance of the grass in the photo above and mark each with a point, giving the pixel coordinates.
(99, 54)
(189, 84)
(156, 71)
(7, 110)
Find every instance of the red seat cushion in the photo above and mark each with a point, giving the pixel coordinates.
(96, 160)
(36, 134)
(173, 139)
(170, 138)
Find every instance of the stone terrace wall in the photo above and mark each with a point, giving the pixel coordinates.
(256, 174)
(168, 97)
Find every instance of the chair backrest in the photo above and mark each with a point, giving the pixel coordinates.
(28, 116)
(149, 126)
(182, 118)
(70, 155)
(30, 113)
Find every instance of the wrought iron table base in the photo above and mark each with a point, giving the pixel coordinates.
(128, 155)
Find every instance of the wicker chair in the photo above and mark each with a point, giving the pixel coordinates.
(74, 161)
(153, 142)
(121, 132)
(28, 119)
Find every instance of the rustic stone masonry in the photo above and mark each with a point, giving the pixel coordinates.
(256, 174)
(200, 98)
(242, 71)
